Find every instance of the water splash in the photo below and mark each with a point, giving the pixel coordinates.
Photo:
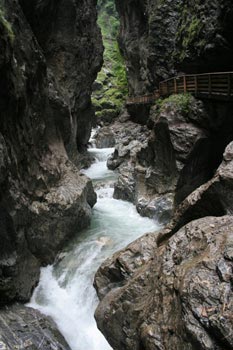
(65, 291)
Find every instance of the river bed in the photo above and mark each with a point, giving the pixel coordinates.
(65, 291)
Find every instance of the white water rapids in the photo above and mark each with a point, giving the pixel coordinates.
(65, 290)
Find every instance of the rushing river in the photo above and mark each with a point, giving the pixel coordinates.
(65, 290)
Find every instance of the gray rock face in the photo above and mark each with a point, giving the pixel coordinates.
(177, 295)
(72, 45)
(26, 328)
(104, 138)
(159, 39)
(163, 162)
(47, 69)
(210, 44)
(178, 150)
(178, 142)
(212, 198)
(172, 289)
(147, 41)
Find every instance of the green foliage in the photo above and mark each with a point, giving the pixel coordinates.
(112, 77)
(6, 24)
(107, 18)
(180, 101)
(190, 32)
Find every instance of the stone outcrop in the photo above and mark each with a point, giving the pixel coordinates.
(177, 295)
(212, 198)
(104, 138)
(164, 161)
(26, 328)
(51, 52)
(173, 288)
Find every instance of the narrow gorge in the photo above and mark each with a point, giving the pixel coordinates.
(116, 196)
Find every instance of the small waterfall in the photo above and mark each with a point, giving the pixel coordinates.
(65, 291)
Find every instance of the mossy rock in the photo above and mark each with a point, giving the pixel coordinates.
(6, 25)
(180, 101)
(106, 115)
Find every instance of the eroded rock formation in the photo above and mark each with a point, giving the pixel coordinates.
(51, 52)
(172, 289)
(26, 328)
(177, 295)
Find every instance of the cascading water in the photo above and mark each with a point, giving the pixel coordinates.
(65, 291)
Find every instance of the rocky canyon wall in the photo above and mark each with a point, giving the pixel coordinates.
(162, 38)
(188, 137)
(50, 54)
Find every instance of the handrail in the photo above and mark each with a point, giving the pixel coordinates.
(217, 85)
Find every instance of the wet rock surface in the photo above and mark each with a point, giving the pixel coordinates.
(212, 198)
(176, 295)
(104, 138)
(71, 43)
(25, 328)
(164, 161)
(45, 88)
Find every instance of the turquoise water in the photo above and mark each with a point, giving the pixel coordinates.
(65, 291)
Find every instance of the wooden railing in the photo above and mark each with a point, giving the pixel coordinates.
(145, 99)
(208, 85)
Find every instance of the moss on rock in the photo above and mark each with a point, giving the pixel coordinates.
(180, 101)
(6, 25)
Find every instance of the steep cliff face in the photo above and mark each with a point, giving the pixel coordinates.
(47, 68)
(159, 38)
(70, 40)
(147, 41)
(204, 36)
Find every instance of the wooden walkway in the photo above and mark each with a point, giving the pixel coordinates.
(217, 86)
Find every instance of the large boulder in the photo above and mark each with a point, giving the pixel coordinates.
(164, 161)
(212, 198)
(176, 295)
(25, 328)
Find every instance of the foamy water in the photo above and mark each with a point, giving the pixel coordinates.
(65, 291)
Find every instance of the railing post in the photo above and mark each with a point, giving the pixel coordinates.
(167, 87)
(209, 85)
(196, 85)
(229, 85)
(185, 84)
